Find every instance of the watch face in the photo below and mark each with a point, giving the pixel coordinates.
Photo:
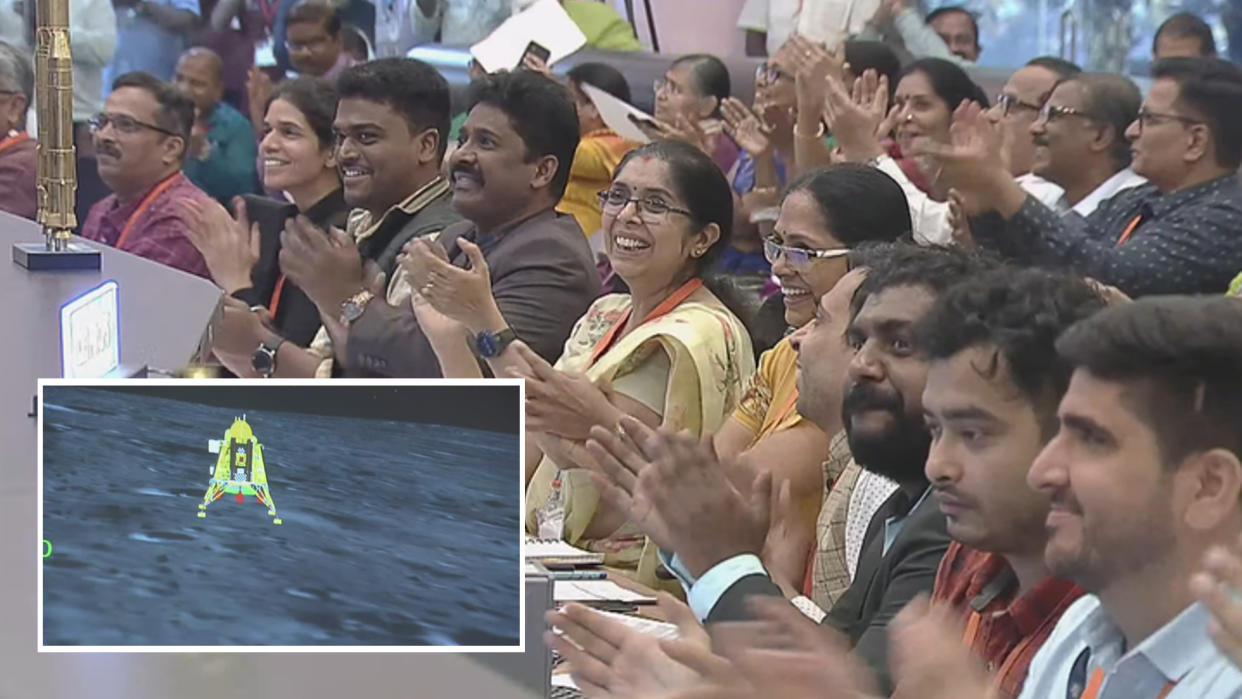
(261, 360)
(487, 344)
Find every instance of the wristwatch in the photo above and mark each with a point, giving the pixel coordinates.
(489, 345)
(353, 307)
(263, 360)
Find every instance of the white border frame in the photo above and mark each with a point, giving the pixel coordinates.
(109, 287)
(378, 383)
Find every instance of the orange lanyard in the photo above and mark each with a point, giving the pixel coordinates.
(142, 208)
(972, 634)
(665, 306)
(1097, 681)
(1129, 229)
(276, 292)
(10, 141)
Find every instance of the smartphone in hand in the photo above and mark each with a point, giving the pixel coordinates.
(537, 50)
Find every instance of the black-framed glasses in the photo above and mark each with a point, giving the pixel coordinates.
(124, 124)
(1146, 117)
(798, 258)
(1008, 104)
(650, 207)
(1051, 112)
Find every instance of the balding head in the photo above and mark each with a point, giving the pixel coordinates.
(16, 88)
(200, 76)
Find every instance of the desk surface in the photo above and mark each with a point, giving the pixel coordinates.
(163, 312)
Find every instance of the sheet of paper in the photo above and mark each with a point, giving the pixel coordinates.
(595, 591)
(557, 549)
(616, 114)
(651, 627)
(545, 23)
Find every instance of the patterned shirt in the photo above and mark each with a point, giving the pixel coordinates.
(1184, 242)
(158, 232)
(829, 575)
(1007, 632)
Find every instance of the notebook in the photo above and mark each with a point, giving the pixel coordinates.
(596, 591)
(553, 552)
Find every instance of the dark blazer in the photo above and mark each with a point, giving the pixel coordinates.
(883, 584)
(297, 318)
(543, 279)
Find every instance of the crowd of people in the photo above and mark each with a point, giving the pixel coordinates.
(890, 386)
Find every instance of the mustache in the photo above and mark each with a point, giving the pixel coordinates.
(1064, 500)
(108, 148)
(468, 170)
(862, 397)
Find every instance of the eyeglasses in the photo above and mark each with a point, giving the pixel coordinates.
(766, 73)
(798, 258)
(124, 124)
(1008, 103)
(1051, 112)
(313, 44)
(665, 85)
(651, 208)
(1149, 118)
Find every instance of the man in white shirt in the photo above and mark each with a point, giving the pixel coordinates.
(770, 23)
(1153, 404)
(1080, 142)
(92, 40)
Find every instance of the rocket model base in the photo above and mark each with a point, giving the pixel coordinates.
(239, 470)
(37, 258)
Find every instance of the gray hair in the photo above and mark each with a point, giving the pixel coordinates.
(16, 73)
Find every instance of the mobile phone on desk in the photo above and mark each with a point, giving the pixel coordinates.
(537, 50)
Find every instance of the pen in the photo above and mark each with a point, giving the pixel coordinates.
(579, 575)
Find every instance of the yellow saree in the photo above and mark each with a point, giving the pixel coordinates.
(709, 360)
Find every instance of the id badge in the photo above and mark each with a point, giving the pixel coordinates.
(551, 518)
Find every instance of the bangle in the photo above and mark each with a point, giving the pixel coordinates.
(818, 135)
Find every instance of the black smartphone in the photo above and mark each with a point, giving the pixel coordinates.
(269, 213)
(537, 50)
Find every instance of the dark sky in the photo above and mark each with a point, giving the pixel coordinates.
(483, 407)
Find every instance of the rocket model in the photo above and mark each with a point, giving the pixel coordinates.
(58, 180)
(239, 469)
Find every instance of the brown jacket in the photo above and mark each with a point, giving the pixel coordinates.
(543, 280)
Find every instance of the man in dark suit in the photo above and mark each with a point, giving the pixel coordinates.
(716, 526)
(507, 176)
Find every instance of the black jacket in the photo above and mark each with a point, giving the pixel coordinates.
(883, 584)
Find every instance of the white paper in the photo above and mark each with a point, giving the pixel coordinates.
(651, 627)
(616, 114)
(557, 549)
(595, 591)
(545, 23)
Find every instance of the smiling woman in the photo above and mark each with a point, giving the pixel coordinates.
(671, 352)
(298, 159)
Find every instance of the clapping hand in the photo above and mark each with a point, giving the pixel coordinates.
(746, 128)
(856, 116)
(677, 491)
(609, 659)
(228, 244)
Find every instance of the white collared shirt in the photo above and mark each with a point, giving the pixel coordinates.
(1179, 652)
(1123, 179)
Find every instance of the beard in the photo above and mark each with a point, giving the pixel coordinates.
(898, 452)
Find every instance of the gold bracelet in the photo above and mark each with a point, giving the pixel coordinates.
(819, 135)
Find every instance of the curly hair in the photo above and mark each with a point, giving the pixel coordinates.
(1020, 313)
